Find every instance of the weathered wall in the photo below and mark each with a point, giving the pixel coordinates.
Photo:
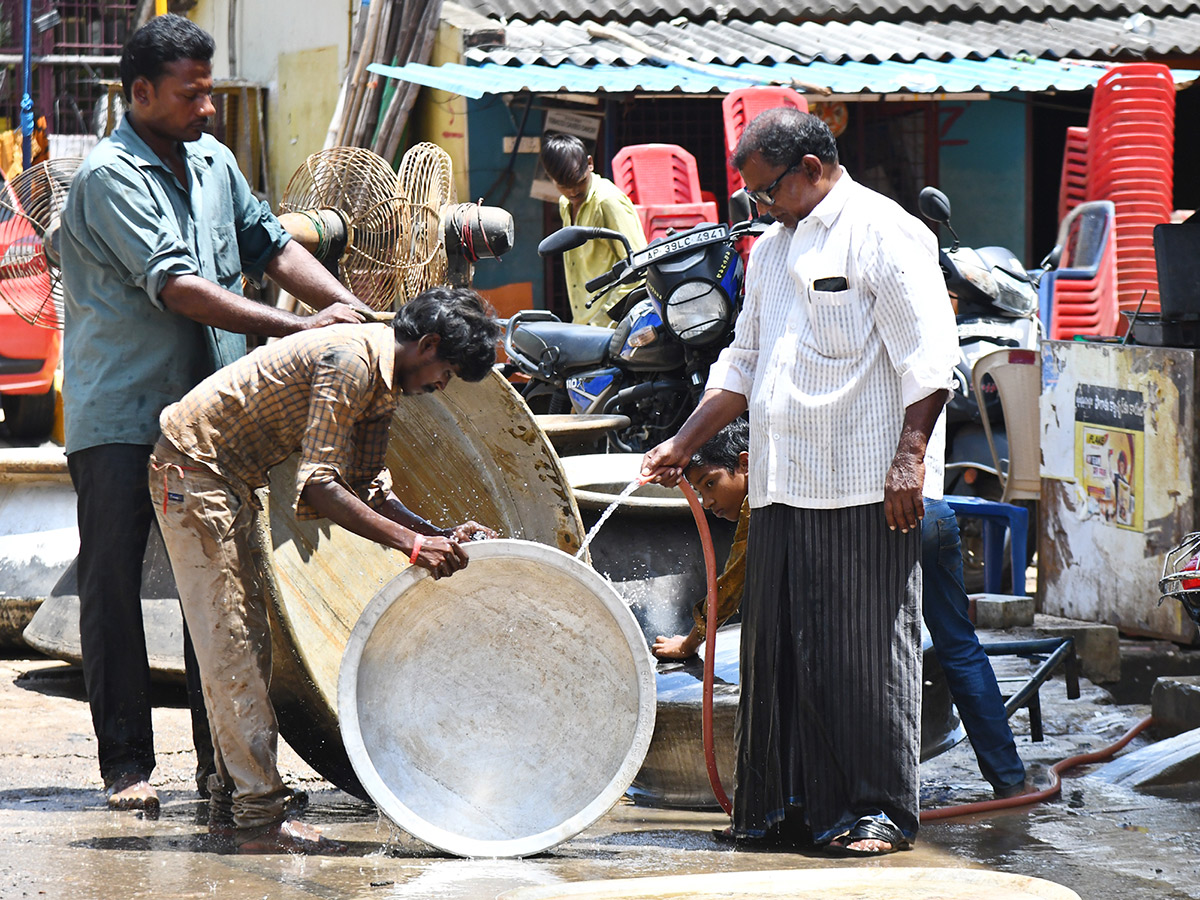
(1119, 462)
(297, 50)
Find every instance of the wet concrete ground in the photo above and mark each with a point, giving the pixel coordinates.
(58, 840)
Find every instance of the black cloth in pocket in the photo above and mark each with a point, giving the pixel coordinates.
(837, 283)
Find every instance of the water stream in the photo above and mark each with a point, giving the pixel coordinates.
(628, 489)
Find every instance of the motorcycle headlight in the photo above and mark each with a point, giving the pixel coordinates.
(698, 312)
(1013, 294)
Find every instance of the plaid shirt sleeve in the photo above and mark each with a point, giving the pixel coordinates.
(342, 443)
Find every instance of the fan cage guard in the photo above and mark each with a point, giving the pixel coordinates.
(30, 205)
(396, 243)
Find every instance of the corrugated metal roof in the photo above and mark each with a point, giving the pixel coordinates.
(789, 10)
(956, 76)
(737, 42)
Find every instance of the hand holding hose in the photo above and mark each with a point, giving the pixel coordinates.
(665, 463)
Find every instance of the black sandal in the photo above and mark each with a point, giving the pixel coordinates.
(868, 829)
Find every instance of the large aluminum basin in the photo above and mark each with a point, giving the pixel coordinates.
(502, 710)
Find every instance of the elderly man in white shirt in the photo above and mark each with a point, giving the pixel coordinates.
(843, 357)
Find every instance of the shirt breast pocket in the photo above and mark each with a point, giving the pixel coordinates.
(840, 323)
(227, 257)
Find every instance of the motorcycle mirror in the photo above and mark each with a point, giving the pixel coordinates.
(1053, 258)
(934, 205)
(571, 236)
(741, 207)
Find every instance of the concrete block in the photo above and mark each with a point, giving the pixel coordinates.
(1002, 610)
(1175, 703)
(1096, 646)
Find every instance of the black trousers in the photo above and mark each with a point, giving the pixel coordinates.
(115, 517)
(829, 718)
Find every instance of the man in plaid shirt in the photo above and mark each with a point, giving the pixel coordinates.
(328, 394)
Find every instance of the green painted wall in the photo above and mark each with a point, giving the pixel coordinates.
(984, 172)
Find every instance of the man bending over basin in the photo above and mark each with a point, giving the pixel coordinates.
(329, 394)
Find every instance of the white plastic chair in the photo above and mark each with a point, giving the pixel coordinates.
(1017, 375)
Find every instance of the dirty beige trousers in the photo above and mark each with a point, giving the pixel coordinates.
(209, 534)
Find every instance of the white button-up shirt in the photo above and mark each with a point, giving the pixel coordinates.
(846, 323)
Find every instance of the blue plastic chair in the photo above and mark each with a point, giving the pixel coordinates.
(997, 517)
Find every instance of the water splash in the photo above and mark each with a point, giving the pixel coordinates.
(628, 489)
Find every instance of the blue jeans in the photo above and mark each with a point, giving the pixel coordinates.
(968, 671)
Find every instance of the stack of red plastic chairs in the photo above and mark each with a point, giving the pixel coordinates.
(663, 182)
(1072, 188)
(1130, 161)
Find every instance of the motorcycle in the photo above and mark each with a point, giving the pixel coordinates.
(653, 366)
(996, 306)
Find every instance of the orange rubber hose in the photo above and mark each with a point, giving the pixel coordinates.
(965, 809)
(710, 644)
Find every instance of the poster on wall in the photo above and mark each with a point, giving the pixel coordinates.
(1109, 443)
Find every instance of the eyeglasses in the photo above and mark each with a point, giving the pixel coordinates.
(766, 196)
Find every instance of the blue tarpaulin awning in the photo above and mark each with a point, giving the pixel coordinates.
(923, 76)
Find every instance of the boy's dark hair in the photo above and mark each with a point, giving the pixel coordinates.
(162, 40)
(725, 447)
(464, 321)
(783, 136)
(564, 158)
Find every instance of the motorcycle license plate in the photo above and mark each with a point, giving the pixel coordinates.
(675, 244)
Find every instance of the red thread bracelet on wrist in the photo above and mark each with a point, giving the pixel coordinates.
(416, 550)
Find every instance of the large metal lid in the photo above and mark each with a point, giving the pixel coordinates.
(895, 883)
(502, 710)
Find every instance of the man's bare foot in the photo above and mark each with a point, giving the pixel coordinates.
(133, 791)
(291, 837)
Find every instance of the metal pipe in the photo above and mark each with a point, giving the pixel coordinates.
(59, 59)
(27, 98)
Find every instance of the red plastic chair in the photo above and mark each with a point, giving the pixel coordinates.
(657, 173)
(1072, 186)
(663, 182)
(740, 109)
(1130, 161)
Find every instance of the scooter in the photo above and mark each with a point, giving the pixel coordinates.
(652, 367)
(996, 306)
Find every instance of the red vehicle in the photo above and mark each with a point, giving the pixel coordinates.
(29, 354)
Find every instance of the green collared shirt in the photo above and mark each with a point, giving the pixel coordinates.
(128, 226)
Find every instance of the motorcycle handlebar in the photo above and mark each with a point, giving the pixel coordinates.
(604, 279)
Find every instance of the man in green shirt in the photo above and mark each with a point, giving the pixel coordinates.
(589, 200)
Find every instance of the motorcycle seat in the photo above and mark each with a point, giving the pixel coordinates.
(578, 346)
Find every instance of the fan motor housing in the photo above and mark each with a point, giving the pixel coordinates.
(474, 231)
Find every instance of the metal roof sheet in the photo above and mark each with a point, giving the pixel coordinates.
(789, 10)
(925, 76)
(735, 42)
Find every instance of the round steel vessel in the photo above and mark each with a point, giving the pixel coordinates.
(530, 742)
